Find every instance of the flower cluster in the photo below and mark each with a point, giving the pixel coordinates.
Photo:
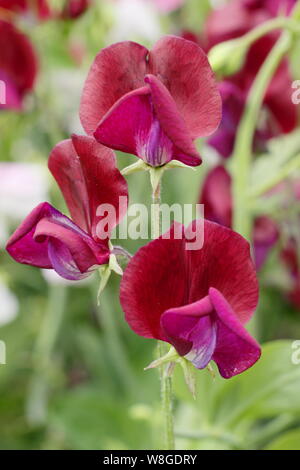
(153, 104)
(232, 21)
(19, 61)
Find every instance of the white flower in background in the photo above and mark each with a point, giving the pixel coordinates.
(9, 305)
(134, 20)
(66, 86)
(23, 186)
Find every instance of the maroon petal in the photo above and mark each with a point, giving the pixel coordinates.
(146, 123)
(117, 70)
(48, 239)
(265, 236)
(184, 69)
(18, 59)
(210, 329)
(154, 281)
(172, 122)
(225, 263)
(75, 8)
(163, 275)
(127, 125)
(216, 196)
(233, 100)
(192, 331)
(88, 178)
(235, 350)
(278, 99)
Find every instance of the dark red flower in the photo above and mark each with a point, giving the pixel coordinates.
(217, 199)
(87, 176)
(196, 300)
(18, 65)
(232, 21)
(152, 104)
(75, 8)
(289, 257)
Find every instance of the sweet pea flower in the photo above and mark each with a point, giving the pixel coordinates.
(197, 300)
(233, 21)
(18, 66)
(75, 8)
(87, 176)
(234, 101)
(217, 199)
(152, 104)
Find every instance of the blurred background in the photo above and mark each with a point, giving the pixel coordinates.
(73, 377)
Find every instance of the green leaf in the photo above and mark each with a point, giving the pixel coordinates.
(281, 151)
(288, 441)
(270, 388)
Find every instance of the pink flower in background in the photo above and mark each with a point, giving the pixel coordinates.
(18, 65)
(289, 258)
(217, 199)
(87, 176)
(232, 21)
(152, 104)
(234, 101)
(198, 300)
(75, 8)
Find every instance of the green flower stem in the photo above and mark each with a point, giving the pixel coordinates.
(165, 380)
(113, 341)
(36, 406)
(241, 160)
(280, 22)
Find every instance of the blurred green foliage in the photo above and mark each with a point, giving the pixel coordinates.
(74, 377)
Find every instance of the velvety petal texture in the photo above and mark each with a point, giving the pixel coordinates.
(216, 196)
(152, 103)
(197, 299)
(93, 189)
(48, 239)
(87, 175)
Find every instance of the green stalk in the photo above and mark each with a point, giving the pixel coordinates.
(165, 380)
(36, 406)
(282, 174)
(241, 160)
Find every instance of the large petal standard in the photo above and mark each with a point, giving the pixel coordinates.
(153, 104)
(18, 65)
(88, 178)
(196, 300)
